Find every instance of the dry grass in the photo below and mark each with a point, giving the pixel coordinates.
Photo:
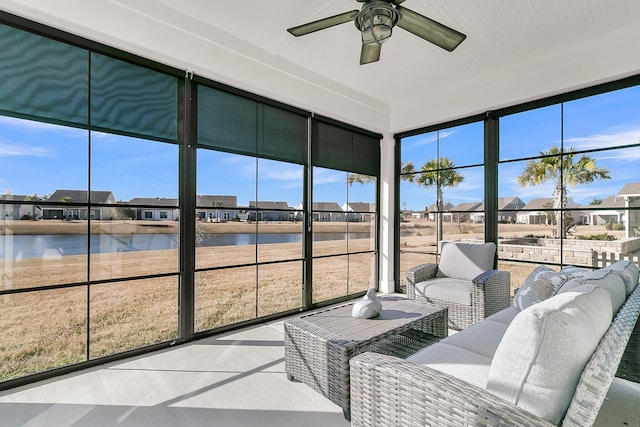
(48, 329)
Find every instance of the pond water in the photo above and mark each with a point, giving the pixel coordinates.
(43, 245)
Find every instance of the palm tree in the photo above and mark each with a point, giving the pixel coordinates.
(562, 170)
(441, 174)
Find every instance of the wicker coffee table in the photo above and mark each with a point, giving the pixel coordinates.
(318, 346)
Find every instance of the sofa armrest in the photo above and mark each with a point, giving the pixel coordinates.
(418, 274)
(490, 293)
(388, 391)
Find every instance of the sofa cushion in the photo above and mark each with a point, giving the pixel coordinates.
(539, 361)
(542, 283)
(628, 271)
(506, 315)
(482, 338)
(605, 279)
(457, 291)
(462, 364)
(466, 260)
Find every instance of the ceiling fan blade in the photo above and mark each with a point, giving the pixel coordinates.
(370, 53)
(321, 24)
(396, 2)
(428, 29)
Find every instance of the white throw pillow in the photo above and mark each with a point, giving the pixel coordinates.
(605, 279)
(628, 270)
(573, 271)
(466, 261)
(541, 284)
(542, 354)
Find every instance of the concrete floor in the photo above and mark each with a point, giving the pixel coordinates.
(235, 379)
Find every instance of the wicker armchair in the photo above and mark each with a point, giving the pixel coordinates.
(463, 281)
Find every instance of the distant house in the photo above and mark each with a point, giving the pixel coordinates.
(18, 211)
(270, 211)
(359, 211)
(468, 211)
(433, 209)
(155, 208)
(614, 213)
(540, 211)
(52, 211)
(219, 208)
(507, 210)
(328, 212)
(631, 194)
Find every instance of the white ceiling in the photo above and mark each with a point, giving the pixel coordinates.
(515, 51)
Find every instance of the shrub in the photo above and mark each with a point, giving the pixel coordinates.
(601, 236)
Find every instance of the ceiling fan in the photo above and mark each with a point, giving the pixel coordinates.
(376, 20)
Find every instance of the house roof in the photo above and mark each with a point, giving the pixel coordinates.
(361, 207)
(269, 205)
(153, 201)
(468, 207)
(505, 59)
(326, 206)
(630, 189)
(80, 196)
(211, 201)
(610, 202)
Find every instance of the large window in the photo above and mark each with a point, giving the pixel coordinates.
(441, 191)
(569, 170)
(84, 136)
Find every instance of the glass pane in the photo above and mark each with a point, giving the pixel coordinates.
(330, 277)
(279, 188)
(224, 297)
(528, 133)
(279, 287)
(362, 269)
(463, 144)
(281, 240)
(362, 235)
(133, 168)
(40, 253)
(130, 248)
(602, 121)
(329, 217)
(32, 342)
(416, 150)
(132, 314)
(36, 159)
(226, 228)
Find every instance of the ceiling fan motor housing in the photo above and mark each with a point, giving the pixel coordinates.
(376, 20)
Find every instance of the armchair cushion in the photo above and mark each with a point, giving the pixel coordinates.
(457, 291)
(466, 260)
(539, 361)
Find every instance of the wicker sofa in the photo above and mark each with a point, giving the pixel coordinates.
(464, 281)
(549, 362)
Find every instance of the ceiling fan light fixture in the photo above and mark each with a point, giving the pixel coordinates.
(376, 21)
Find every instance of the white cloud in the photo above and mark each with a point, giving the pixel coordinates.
(599, 141)
(10, 150)
(425, 139)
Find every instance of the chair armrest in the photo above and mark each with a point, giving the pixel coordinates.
(418, 274)
(386, 391)
(490, 293)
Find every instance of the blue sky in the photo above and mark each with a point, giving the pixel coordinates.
(40, 158)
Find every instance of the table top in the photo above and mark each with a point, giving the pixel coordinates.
(396, 313)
